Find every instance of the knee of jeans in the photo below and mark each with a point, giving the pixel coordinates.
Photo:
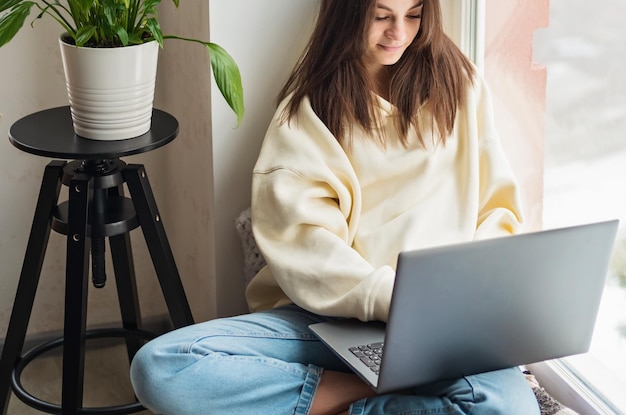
(520, 403)
(505, 391)
(150, 370)
(143, 373)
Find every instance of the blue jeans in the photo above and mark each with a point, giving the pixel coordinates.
(269, 363)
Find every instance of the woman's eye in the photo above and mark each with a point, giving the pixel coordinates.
(415, 16)
(381, 18)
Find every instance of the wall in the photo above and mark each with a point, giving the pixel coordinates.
(184, 86)
(265, 51)
(211, 161)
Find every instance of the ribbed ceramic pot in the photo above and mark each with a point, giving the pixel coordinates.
(110, 90)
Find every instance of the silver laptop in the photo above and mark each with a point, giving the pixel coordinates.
(480, 306)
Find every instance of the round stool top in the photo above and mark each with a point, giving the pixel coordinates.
(50, 133)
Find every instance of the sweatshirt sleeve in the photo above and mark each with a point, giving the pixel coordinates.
(500, 211)
(305, 210)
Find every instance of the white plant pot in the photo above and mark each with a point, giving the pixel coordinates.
(110, 90)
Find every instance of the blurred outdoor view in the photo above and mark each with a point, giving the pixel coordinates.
(584, 50)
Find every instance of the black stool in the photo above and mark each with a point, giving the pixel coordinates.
(96, 209)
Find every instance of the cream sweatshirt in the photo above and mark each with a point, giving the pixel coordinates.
(330, 221)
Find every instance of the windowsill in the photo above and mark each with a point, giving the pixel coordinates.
(572, 392)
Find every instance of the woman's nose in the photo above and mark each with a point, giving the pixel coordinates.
(396, 31)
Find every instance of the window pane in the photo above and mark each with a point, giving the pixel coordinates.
(585, 144)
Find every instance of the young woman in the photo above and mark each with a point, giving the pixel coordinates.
(383, 141)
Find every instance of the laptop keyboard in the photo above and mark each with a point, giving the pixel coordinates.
(369, 354)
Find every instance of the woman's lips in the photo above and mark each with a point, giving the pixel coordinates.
(391, 48)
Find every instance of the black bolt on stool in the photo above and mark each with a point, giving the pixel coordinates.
(96, 209)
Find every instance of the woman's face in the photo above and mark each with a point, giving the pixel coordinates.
(395, 25)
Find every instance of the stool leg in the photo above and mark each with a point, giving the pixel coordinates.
(77, 274)
(158, 245)
(125, 281)
(29, 277)
(126, 285)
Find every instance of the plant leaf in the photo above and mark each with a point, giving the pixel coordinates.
(12, 22)
(133, 39)
(227, 78)
(155, 29)
(84, 34)
(7, 4)
(122, 34)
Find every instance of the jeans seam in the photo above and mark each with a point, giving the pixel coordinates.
(301, 336)
(309, 388)
(263, 360)
(358, 407)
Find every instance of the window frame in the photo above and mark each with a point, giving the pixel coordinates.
(560, 381)
(464, 22)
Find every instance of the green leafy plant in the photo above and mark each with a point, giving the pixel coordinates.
(118, 23)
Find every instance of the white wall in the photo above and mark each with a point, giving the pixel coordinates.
(266, 41)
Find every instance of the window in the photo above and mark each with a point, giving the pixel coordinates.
(585, 167)
(464, 23)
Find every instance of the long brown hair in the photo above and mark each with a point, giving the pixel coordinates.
(332, 73)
